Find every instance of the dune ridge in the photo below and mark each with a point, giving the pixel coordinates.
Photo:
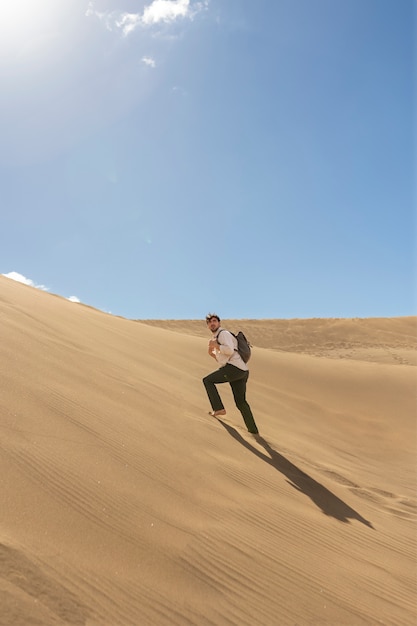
(124, 503)
(377, 340)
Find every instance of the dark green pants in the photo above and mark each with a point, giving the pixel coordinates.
(237, 379)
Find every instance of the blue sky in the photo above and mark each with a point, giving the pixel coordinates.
(164, 158)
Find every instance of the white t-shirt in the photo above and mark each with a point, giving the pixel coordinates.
(228, 350)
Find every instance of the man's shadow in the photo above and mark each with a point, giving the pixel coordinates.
(330, 504)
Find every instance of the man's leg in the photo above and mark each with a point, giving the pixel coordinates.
(239, 394)
(210, 382)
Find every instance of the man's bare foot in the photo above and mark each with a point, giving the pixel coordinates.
(217, 413)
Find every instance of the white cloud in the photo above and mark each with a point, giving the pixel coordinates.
(158, 11)
(26, 281)
(91, 11)
(128, 22)
(165, 11)
(107, 18)
(149, 61)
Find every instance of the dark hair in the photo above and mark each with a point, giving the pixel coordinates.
(210, 316)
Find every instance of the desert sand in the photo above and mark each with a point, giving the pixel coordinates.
(124, 503)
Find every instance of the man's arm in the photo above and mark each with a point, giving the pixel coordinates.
(226, 345)
(212, 346)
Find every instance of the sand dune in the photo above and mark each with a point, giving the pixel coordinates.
(124, 503)
(377, 340)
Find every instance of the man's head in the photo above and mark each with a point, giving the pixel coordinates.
(213, 322)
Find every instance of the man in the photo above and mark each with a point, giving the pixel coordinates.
(233, 370)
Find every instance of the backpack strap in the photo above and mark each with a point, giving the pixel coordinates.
(217, 337)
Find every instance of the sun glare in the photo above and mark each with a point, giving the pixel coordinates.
(23, 21)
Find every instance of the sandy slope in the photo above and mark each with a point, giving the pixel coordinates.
(124, 503)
